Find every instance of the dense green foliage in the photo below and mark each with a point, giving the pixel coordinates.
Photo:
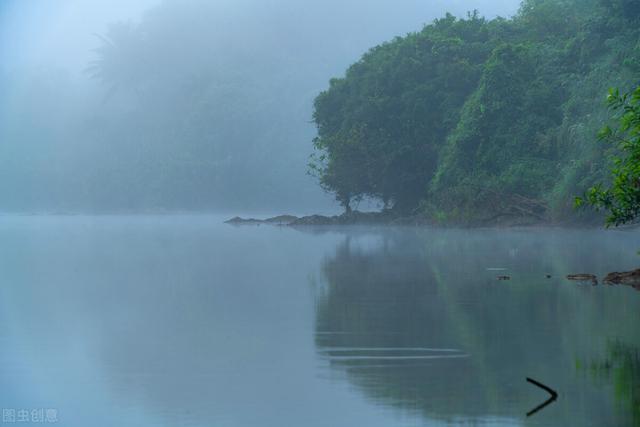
(622, 198)
(475, 119)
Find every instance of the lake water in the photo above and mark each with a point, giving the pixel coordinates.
(185, 321)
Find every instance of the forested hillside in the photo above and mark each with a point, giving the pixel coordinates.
(476, 120)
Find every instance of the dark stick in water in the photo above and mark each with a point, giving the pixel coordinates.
(553, 393)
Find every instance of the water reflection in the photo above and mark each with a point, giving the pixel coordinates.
(150, 321)
(620, 368)
(472, 340)
(158, 321)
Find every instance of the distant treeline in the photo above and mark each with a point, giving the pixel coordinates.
(478, 120)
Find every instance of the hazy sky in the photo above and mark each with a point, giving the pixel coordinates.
(62, 32)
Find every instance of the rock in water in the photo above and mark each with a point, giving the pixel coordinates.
(629, 278)
(276, 220)
(281, 219)
(238, 220)
(315, 220)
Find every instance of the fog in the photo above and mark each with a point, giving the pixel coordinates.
(184, 321)
(139, 106)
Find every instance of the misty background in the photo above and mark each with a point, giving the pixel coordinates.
(124, 106)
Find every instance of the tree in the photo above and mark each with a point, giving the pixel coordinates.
(120, 62)
(498, 156)
(621, 198)
(474, 120)
(381, 126)
(628, 9)
(341, 164)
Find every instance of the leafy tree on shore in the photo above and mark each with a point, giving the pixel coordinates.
(621, 198)
(475, 120)
(380, 127)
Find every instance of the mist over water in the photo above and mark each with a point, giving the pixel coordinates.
(182, 320)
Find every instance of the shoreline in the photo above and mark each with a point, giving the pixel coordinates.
(388, 218)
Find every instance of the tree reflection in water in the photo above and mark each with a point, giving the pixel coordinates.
(621, 367)
(417, 320)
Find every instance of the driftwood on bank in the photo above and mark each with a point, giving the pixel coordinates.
(510, 205)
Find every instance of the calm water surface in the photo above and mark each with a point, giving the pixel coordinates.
(185, 321)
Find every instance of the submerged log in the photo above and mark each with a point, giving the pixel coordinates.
(583, 277)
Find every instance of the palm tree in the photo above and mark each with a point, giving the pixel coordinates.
(120, 62)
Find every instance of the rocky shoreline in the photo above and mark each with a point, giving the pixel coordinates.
(385, 217)
(392, 218)
(351, 218)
